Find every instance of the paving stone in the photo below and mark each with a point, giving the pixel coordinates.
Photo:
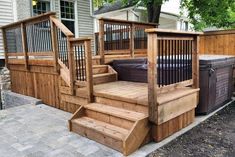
(87, 150)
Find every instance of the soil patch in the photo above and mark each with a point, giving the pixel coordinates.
(214, 137)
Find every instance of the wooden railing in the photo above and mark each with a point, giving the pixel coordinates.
(120, 37)
(172, 63)
(44, 37)
(28, 39)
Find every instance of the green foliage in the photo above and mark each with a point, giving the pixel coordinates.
(209, 13)
(202, 13)
(99, 3)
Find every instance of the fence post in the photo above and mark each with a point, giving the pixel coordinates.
(24, 44)
(152, 77)
(89, 72)
(5, 47)
(71, 65)
(195, 62)
(132, 40)
(54, 44)
(101, 40)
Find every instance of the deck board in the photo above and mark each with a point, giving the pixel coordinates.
(132, 92)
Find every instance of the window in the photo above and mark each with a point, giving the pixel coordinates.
(40, 7)
(184, 25)
(68, 15)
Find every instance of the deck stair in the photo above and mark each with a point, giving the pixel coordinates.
(103, 74)
(121, 129)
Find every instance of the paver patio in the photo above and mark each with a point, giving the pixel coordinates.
(41, 131)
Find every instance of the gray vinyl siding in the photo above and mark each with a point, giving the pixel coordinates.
(57, 8)
(6, 17)
(24, 9)
(85, 20)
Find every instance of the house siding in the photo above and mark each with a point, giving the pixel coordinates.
(56, 7)
(23, 9)
(85, 20)
(6, 17)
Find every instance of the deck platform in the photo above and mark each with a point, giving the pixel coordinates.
(132, 92)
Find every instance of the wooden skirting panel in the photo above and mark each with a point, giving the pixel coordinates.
(43, 86)
(160, 132)
(69, 107)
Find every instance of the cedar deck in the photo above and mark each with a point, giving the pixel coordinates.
(60, 69)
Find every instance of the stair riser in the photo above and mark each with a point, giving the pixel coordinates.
(120, 122)
(98, 137)
(122, 104)
(100, 70)
(105, 79)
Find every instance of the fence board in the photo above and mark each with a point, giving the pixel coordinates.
(218, 42)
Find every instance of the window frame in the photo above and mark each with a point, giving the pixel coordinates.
(51, 6)
(75, 15)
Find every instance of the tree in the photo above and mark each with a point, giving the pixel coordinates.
(202, 13)
(209, 13)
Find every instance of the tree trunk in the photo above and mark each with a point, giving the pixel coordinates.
(154, 11)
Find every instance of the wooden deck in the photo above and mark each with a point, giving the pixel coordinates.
(114, 113)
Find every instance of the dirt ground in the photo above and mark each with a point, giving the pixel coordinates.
(213, 138)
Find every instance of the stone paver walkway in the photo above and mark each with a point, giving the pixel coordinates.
(41, 131)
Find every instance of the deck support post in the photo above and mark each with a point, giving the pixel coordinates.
(89, 72)
(101, 41)
(71, 65)
(24, 44)
(54, 45)
(132, 40)
(152, 77)
(195, 62)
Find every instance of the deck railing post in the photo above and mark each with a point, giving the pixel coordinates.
(5, 47)
(132, 40)
(89, 73)
(152, 52)
(54, 45)
(24, 44)
(71, 65)
(195, 62)
(101, 40)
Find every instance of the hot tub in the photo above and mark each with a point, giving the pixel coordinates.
(216, 82)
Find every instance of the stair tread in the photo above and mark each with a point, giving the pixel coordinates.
(99, 66)
(110, 130)
(114, 111)
(103, 74)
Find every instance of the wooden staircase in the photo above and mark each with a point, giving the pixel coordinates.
(121, 129)
(103, 74)
(118, 127)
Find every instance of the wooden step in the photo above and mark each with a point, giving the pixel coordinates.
(114, 111)
(104, 78)
(99, 69)
(122, 104)
(113, 115)
(125, 140)
(102, 132)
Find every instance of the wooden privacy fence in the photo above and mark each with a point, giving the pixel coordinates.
(43, 40)
(220, 42)
(172, 63)
(119, 37)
